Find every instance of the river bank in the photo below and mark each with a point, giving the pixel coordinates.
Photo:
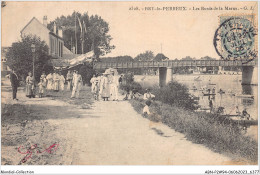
(206, 130)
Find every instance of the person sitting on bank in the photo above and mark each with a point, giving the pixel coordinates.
(148, 95)
(134, 93)
(146, 110)
(245, 115)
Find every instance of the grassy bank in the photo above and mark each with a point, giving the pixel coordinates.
(201, 128)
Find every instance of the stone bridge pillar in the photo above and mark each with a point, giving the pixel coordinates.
(165, 76)
(249, 75)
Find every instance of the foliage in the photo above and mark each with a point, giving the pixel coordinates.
(117, 59)
(128, 83)
(146, 56)
(86, 71)
(176, 94)
(203, 128)
(20, 56)
(160, 57)
(95, 33)
(188, 58)
(207, 58)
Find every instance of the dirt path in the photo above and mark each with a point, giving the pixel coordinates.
(112, 133)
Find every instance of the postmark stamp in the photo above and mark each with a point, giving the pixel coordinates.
(235, 38)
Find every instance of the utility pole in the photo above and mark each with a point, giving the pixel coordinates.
(161, 51)
(33, 55)
(82, 43)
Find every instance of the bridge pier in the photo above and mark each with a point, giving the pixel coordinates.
(165, 76)
(249, 75)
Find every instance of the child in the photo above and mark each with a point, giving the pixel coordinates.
(96, 89)
(41, 85)
(146, 110)
(148, 95)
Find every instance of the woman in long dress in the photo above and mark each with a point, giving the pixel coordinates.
(104, 87)
(29, 85)
(62, 82)
(49, 79)
(56, 81)
(69, 80)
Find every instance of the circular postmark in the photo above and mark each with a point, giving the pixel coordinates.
(235, 39)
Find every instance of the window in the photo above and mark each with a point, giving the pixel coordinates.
(61, 49)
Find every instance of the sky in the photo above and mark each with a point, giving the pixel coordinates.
(176, 33)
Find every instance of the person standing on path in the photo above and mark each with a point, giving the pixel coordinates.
(42, 85)
(120, 80)
(69, 80)
(77, 84)
(114, 87)
(49, 78)
(29, 85)
(62, 82)
(56, 82)
(14, 83)
(93, 82)
(104, 87)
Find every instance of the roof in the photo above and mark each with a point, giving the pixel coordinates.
(64, 61)
(66, 51)
(40, 24)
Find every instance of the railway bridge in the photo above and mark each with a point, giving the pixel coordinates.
(249, 68)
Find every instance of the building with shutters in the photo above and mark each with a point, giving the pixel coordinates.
(54, 39)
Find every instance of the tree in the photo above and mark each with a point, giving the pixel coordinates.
(187, 58)
(207, 58)
(117, 59)
(20, 56)
(91, 32)
(146, 56)
(160, 57)
(86, 71)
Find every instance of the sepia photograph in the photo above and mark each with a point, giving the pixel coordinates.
(129, 83)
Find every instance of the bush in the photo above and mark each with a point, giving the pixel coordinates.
(176, 94)
(86, 71)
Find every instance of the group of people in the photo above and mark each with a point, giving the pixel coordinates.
(105, 86)
(53, 81)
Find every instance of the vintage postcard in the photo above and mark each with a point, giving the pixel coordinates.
(129, 83)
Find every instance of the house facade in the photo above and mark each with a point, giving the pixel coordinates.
(54, 39)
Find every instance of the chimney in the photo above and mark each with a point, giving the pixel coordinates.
(45, 21)
(60, 34)
(54, 28)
